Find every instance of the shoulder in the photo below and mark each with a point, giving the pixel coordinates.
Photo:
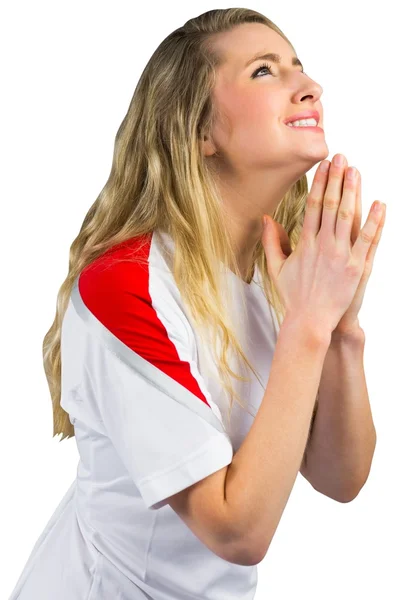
(139, 312)
(134, 297)
(133, 269)
(124, 266)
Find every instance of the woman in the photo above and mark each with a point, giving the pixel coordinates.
(167, 499)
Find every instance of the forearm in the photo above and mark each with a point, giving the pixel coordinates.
(264, 469)
(342, 441)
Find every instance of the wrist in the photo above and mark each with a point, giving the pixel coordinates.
(313, 334)
(352, 337)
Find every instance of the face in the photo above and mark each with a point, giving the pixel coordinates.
(250, 133)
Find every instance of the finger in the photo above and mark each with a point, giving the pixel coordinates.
(374, 245)
(358, 212)
(367, 234)
(314, 201)
(332, 197)
(346, 210)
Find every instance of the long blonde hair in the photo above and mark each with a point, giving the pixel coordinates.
(159, 179)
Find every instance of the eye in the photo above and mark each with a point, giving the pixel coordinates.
(260, 68)
(265, 66)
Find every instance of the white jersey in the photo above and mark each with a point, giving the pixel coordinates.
(150, 420)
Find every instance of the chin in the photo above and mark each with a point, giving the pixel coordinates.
(317, 156)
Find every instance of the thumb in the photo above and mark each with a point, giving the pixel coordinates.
(273, 238)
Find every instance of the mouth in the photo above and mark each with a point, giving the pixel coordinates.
(314, 128)
(309, 124)
(307, 119)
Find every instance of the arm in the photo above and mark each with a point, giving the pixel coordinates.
(263, 471)
(342, 441)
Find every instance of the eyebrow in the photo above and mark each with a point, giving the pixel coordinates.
(295, 61)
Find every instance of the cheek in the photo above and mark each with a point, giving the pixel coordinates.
(261, 112)
(258, 122)
(248, 121)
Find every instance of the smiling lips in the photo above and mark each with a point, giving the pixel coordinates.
(306, 114)
(304, 121)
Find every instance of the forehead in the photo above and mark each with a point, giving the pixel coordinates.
(241, 43)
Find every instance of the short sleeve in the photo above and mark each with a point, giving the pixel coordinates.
(151, 396)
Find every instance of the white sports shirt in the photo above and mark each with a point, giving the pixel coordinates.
(150, 419)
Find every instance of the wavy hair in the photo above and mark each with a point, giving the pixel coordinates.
(159, 179)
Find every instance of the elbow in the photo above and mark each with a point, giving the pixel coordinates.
(242, 558)
(256, 559)
(344, 497)
(348, 498)
(351, 494)
(244, 553)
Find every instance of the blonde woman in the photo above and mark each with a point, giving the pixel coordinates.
(164, 339)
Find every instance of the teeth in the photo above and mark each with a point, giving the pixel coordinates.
(303, 123)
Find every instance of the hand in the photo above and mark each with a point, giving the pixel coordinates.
(349, 323)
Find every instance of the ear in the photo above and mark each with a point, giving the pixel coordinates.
(207, 146)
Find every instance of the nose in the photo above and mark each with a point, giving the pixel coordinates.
(310, 89)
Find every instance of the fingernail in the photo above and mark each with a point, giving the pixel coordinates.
(324, 166)
(351, 173)
(338, 160)
(377, 206)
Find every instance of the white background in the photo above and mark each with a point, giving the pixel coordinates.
(69, 70)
